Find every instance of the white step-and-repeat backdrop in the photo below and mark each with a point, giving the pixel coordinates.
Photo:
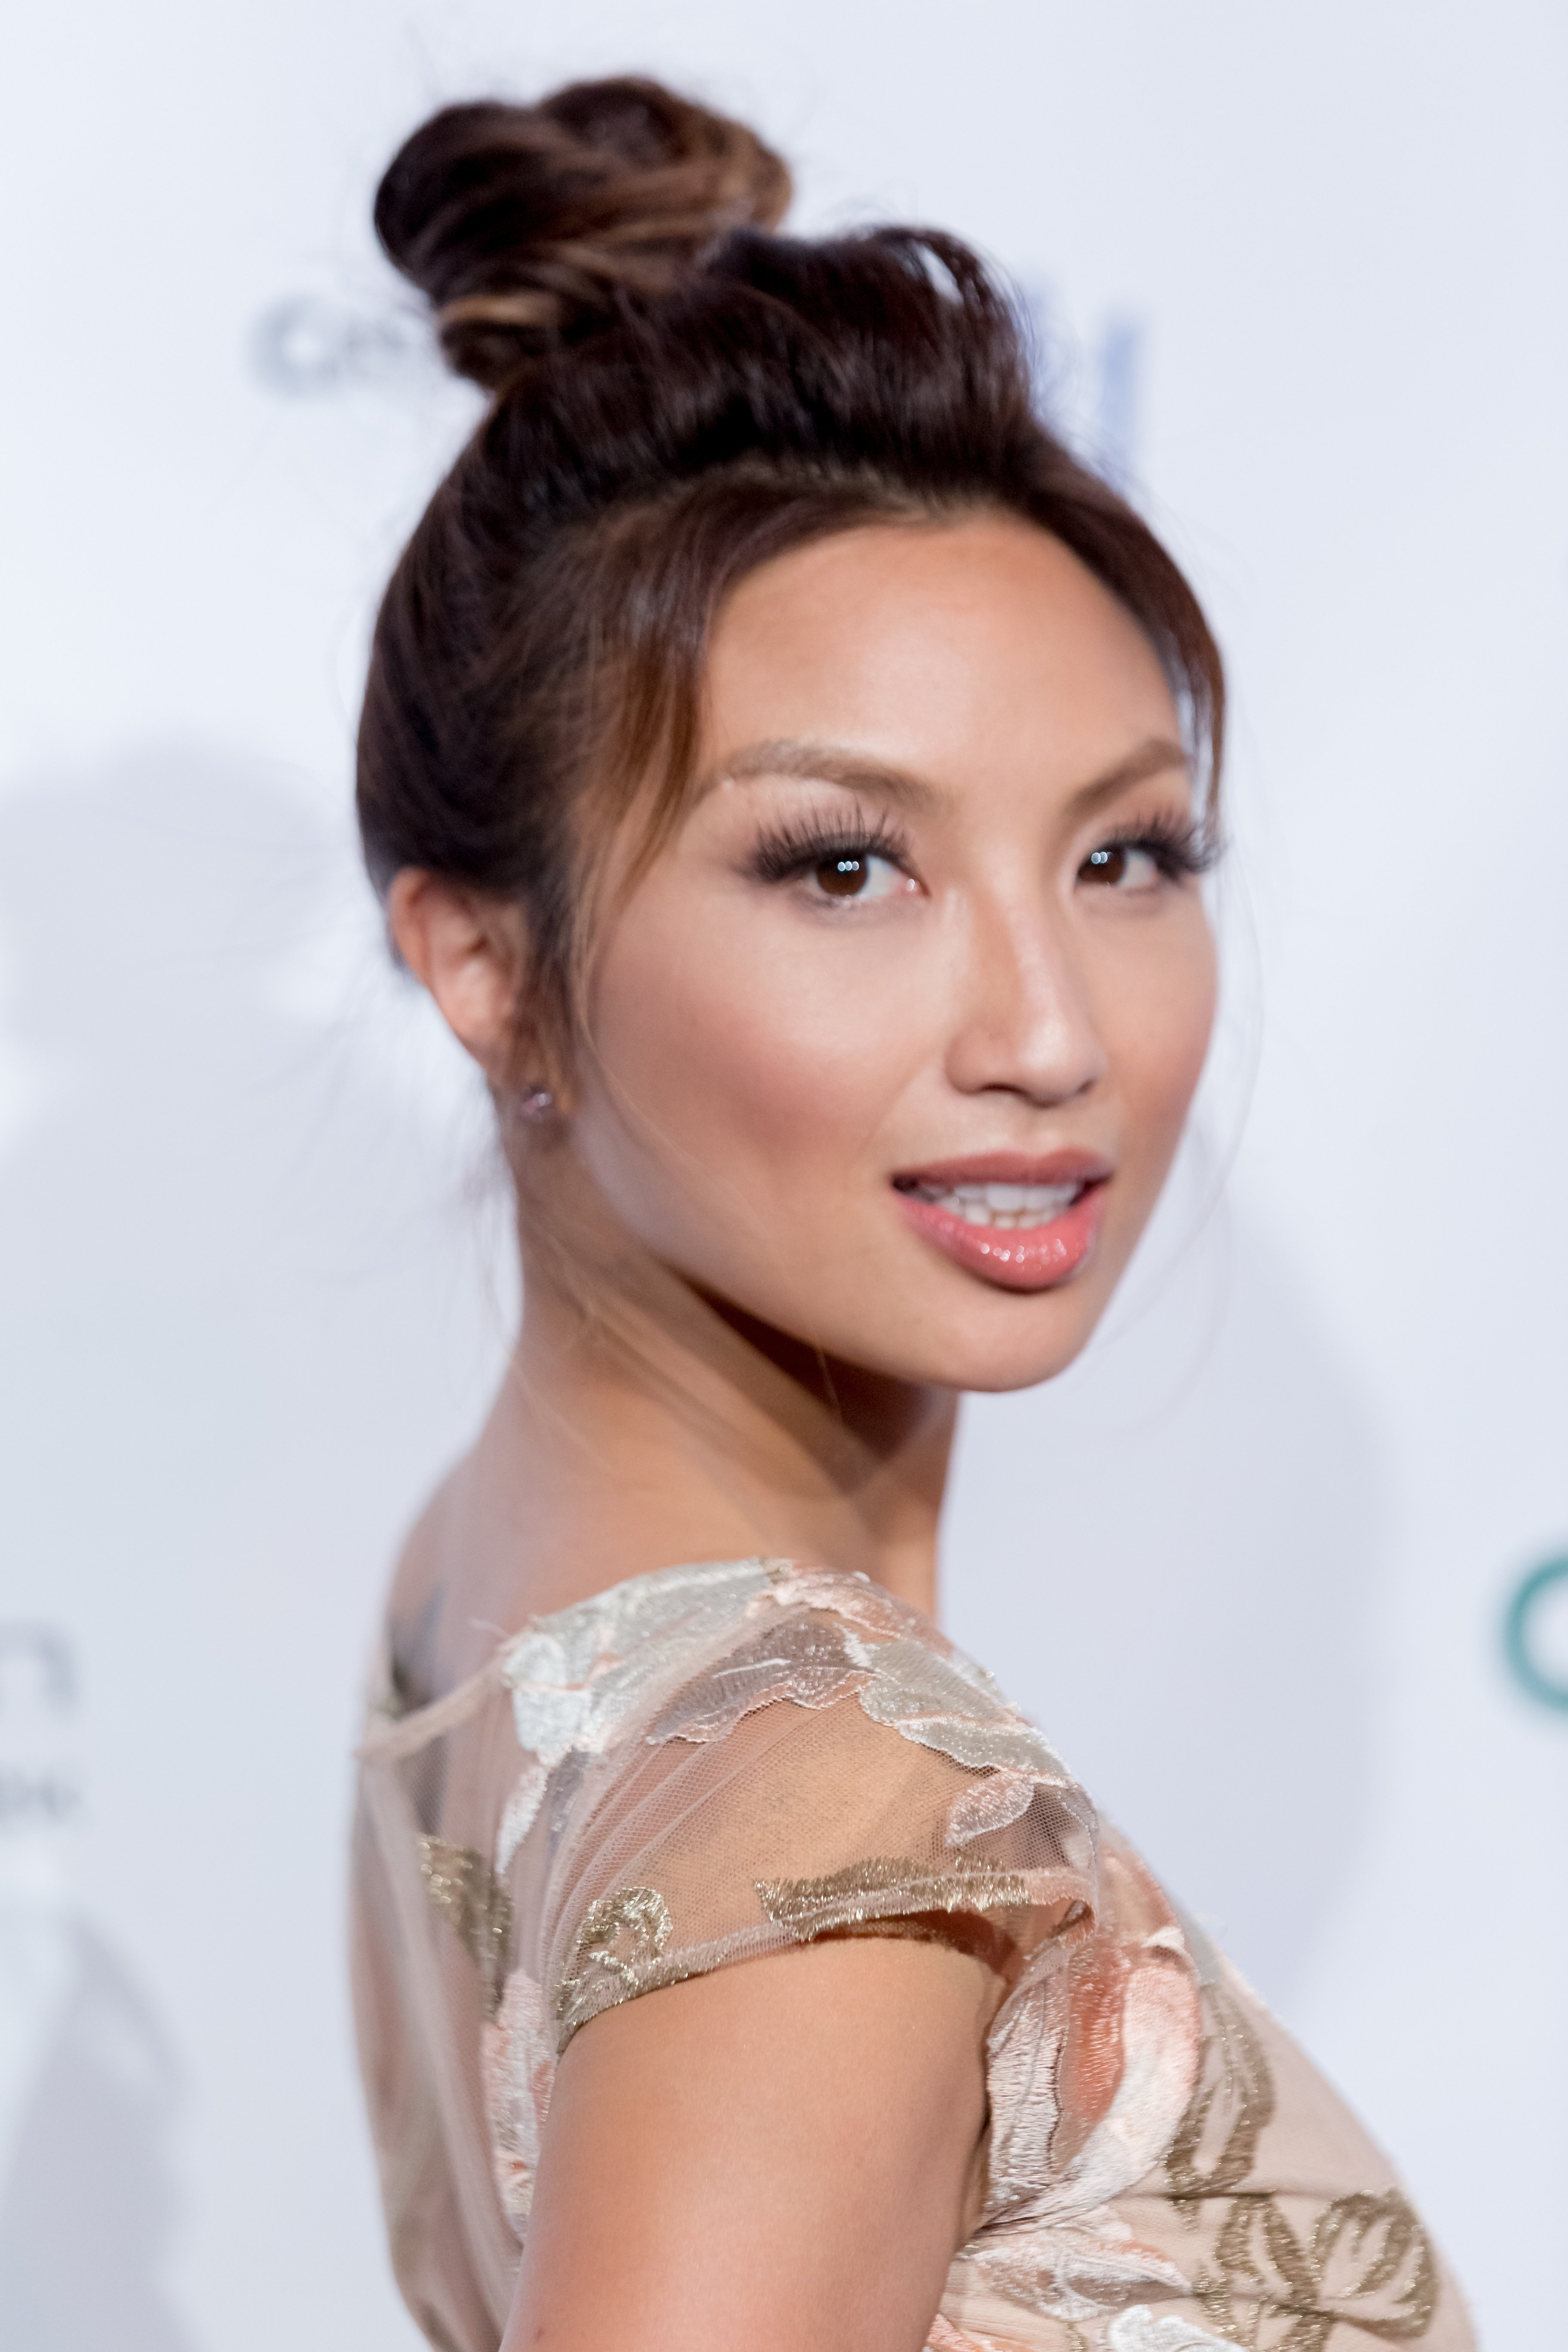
(1275, 1564)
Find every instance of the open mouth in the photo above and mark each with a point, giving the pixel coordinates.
(1018, 1224)
(1004, 1208)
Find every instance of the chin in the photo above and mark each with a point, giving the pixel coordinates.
(1014, 1341)
(999, 1366)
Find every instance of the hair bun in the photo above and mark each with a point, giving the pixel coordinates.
(526, 227)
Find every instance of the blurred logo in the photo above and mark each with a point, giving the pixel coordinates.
(1535, 1634)
(40, 1787)
(308, 347)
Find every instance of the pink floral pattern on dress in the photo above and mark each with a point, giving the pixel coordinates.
(519, 2055)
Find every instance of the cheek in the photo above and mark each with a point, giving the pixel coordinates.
(1162, 1030)
(734, 1070)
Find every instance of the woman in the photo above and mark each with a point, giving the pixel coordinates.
(791, 773)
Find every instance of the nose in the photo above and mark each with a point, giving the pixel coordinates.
(1024, 1025)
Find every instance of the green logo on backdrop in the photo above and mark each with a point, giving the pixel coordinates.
(1519, 1634)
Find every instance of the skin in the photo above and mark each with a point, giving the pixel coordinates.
(785, 2154)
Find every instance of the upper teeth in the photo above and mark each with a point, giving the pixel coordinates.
(1009, 1206)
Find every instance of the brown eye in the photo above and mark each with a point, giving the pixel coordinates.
(861, 875)
(1121, 866)
(843, 877)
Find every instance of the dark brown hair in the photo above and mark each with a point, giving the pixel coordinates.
(679, 396)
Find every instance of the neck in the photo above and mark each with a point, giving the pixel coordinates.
(672, 1427)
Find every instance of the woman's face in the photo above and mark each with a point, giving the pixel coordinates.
(895, 1041)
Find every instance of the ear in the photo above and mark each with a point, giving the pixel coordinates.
(469, 952)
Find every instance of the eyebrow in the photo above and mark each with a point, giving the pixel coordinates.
(1155, 757)
(827, 763)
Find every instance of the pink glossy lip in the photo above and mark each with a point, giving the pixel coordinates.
(1037, 1259)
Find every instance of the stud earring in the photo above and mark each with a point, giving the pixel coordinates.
(533, 1104)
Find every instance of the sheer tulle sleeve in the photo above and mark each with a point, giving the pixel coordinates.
(828, 1766)
(722, 1762)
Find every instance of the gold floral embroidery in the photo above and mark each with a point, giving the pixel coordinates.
(465, 1892)
(1263, 2277)
(1360, 2249)
(1234, 2095)
(806, 1906)
(617, 1953)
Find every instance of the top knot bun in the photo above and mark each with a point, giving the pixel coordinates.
(527, 226)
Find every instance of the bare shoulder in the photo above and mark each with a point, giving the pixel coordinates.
(784, 2154)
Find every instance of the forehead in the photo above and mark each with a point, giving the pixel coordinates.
(942, 648)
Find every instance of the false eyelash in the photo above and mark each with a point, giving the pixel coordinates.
(1178, 844)
(795, 846)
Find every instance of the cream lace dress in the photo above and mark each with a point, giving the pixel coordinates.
(711, 1762)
